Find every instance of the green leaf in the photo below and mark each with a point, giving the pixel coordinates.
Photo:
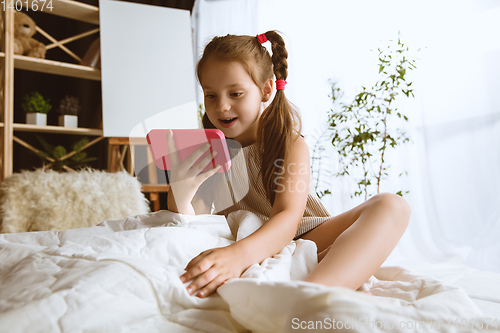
(80, 144)
(49, 149)
(78, 157)
(42, 154)
(59, 152)
(83, 162)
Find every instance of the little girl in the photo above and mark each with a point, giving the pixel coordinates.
(236, 74)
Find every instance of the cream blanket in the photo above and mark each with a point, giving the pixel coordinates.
(123, 276)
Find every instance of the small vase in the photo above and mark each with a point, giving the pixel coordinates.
(68, 121)
(36, 118)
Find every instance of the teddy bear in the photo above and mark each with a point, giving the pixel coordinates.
(24, 29)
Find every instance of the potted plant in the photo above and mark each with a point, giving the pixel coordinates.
(360, 131)
(61, 159)
(36, 108)
(69, 107)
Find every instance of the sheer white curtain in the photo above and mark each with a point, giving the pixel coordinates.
(218, 18)
(453, 163)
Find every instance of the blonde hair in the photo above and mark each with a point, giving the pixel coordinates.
(279, 123)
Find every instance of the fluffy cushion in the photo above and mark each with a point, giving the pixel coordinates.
(49, 200)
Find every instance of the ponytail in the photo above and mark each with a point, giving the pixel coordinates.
(279, 124)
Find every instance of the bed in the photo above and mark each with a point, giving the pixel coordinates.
(123, 276)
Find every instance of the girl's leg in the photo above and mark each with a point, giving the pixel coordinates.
(354, 244)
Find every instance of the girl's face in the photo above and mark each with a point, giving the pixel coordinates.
(232, 100)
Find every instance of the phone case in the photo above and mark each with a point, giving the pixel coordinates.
(187, 141)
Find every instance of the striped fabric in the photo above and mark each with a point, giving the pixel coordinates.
(241, 188)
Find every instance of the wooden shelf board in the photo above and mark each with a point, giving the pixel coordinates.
(56, 129)
(55, 67)
(70, 9)
(120, 141)
(155, 188)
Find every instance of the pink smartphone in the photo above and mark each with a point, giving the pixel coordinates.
(187, 141)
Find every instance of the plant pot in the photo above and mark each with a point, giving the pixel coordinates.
(36, 118)
(68, 121)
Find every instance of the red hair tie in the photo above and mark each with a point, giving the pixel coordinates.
(280, 84)
(262, 38)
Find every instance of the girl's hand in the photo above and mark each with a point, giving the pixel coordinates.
(185, 179)
(212, 268)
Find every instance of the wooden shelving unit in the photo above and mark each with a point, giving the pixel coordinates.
(8, 61)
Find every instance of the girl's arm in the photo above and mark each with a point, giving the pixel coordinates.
(200, 206)
(213, 267)
(183, 208)
(197, 206)
(288, 208)
(202, 200)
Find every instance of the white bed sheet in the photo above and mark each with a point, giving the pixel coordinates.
(123, 276)
(483, 287)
